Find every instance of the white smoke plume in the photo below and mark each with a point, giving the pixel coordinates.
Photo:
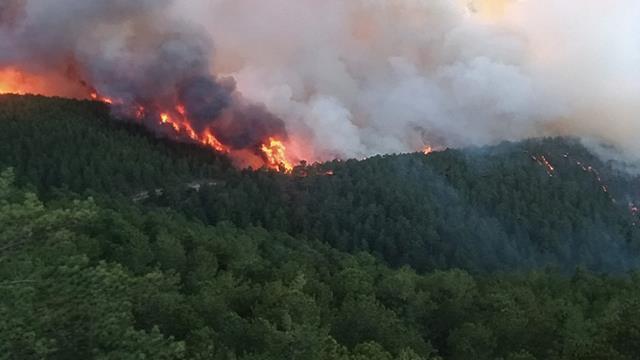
(361, 77)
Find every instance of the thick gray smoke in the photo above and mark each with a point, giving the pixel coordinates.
(10, 10)
(134, 52)
(352, 78)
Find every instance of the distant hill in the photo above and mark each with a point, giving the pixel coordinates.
(513, 206)
(536, 203)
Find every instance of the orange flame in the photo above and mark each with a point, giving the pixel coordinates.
(272, 154)
(97, 97)
(276, 155)
(542, 161)
(13, 81)
(183, 127)
(427, 150)
(212, 141)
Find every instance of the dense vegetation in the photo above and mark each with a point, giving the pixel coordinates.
(488, 209)
(483, 210)
(76, 146)
(109, 251)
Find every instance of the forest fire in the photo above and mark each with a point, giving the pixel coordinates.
(542, 161)
(183, 127)
(95, 96)
(7, 82)
(174, 123)
(13, 81)
(276, 157)
(273, 151)
(596, 174)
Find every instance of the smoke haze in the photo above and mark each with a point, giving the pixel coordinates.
(352, 78)
(363, 77)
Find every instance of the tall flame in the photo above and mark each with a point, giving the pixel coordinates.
(275, 153)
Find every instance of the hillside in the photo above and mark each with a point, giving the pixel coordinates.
(215, 263)
(512, 206)
(76, 145)
(486, 209)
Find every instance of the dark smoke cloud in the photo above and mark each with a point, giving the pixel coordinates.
(10, 11)
(204, 99)
(134, 52)
(246, 125)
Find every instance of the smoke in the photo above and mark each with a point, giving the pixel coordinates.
(361, 77)
(10, 10)
(134, 52)
(352, 78)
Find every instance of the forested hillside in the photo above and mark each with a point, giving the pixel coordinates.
(118, 245)
(513, 206)
(77, 146)
(481, 209)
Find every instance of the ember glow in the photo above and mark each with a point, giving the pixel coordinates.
(14, 81)
(11, 82)
(542, 161)
(95, 96)
(595, 173)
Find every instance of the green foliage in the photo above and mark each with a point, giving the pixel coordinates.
(487, 209)
(76, 146)
(483, 210)
(56, 304)
(258, 265)
(225, 293)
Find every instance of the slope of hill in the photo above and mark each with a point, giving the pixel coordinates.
(512, 206)
(75, 145)
(240, 266)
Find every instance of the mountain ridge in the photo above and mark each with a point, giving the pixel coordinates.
(510, 206)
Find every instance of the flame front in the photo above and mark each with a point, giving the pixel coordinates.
(542, 161)
(172, 119)
(95, 96)
(184, 128)
(275, 153)
(13, 81)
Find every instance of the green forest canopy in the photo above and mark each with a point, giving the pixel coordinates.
(395, 257)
